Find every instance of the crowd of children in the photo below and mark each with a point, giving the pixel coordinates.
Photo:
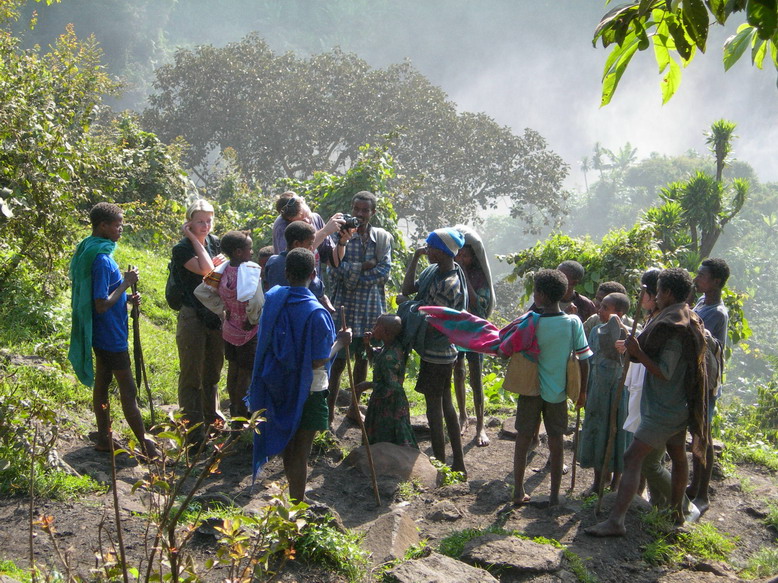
(273, 323)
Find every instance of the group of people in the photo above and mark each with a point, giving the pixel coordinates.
(286, 338)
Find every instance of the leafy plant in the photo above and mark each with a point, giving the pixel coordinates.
(29, 422)
(322, 542)
(409, 490)
(448, 476)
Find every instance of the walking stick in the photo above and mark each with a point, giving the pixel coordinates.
(575, 449)
(137, 352)
(614, 414)
(355, 401)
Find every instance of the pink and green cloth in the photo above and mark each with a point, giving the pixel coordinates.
(478, 335)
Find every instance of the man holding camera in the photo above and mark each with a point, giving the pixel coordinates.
(362, 261)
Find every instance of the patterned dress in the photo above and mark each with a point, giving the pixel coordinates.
(388, 413)
(604, 377)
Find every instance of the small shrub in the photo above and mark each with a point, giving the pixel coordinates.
(321, 542)
(449, 476)
(409, 490)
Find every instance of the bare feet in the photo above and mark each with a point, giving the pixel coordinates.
(464, 421)
(521, 499)
(481, 439)
(606, 528)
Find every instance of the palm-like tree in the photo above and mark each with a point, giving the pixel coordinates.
(719, 140)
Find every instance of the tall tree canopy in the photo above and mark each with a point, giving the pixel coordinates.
(679, 29)
(288, 117)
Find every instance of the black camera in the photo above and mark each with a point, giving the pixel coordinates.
(350, 222)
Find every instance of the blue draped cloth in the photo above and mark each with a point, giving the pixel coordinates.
(294, 330)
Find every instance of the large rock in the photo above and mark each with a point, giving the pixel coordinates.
(438, 569)
(390, 536)
(402, 463)
(511, 554)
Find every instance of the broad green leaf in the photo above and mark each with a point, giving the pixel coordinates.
(610, 24)
(758, 53)
(763, 14)
(615, 67)
(696, 17)
(719, 10)
(661, 52)
(735, 46)
(683, 42)
(671, 81)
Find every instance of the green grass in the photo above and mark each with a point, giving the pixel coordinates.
(762, 564)
(577, 566)
(703, 541)
(10, 569)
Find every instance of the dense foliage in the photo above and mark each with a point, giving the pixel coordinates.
(679, 29)
(286, 116)
(56, 162)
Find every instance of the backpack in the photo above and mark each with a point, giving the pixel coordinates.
(174, 294)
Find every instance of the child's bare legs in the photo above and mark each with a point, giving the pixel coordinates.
(474, 361)
(434, 382)
(459, 390)
(454, 434)
(238, 381)
(101, 406)
(630, 480)
(295, 458)
(676, 448)
(435, 420)
(519, 467)
(128, 397)
(128, 393)
(556, 458)
(335, 371)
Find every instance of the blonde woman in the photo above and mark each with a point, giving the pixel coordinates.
(198, 334)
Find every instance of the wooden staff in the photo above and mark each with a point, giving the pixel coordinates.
(137, 352)
(614, 412)
(355, 401)
(575, 449)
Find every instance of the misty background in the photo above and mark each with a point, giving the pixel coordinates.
(526, 65)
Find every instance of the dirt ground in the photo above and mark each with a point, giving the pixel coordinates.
(737, 508)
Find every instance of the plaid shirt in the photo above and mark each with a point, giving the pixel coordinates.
(361, 293)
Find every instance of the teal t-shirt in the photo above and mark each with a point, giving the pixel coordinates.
(557, 335)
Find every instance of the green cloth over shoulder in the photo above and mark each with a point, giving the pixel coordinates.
(80, 352)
